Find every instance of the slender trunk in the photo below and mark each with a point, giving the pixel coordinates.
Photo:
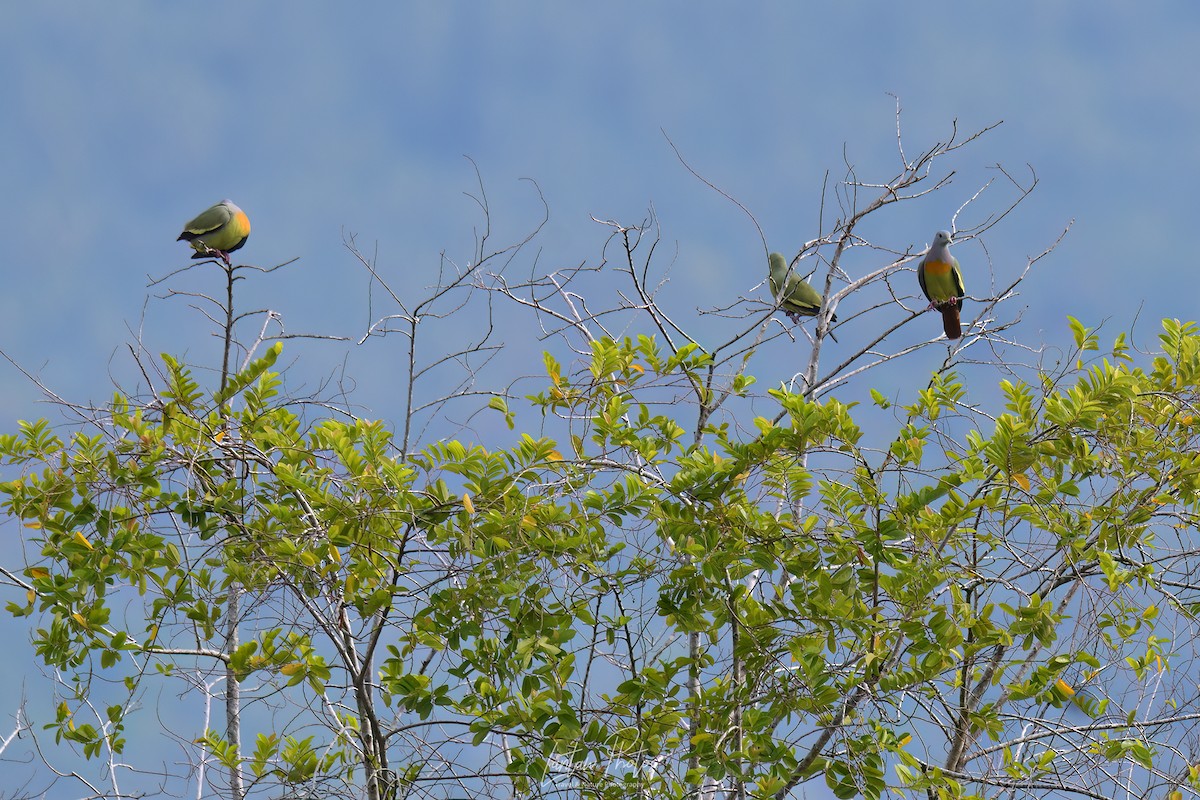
(694, 698)
(233, 695)
(233, 690)
(739, 684)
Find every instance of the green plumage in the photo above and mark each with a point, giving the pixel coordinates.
(222, 228)
(796, 297)
(942, 282)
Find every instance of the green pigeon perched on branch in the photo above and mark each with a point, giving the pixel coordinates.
(942, 282)
(217, 231)
(796, 297)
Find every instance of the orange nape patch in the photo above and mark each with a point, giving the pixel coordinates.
(241, 222)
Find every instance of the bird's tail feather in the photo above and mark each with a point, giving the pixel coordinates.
(951, 323)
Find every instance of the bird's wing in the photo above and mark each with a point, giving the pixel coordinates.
(801, 293)
(207, 222)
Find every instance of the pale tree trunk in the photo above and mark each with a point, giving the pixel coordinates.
(233, 696)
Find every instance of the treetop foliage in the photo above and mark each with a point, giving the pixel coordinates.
(657, 576)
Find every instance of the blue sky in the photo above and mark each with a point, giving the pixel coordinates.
(123, 120)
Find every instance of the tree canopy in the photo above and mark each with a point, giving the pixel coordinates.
(640, 570)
